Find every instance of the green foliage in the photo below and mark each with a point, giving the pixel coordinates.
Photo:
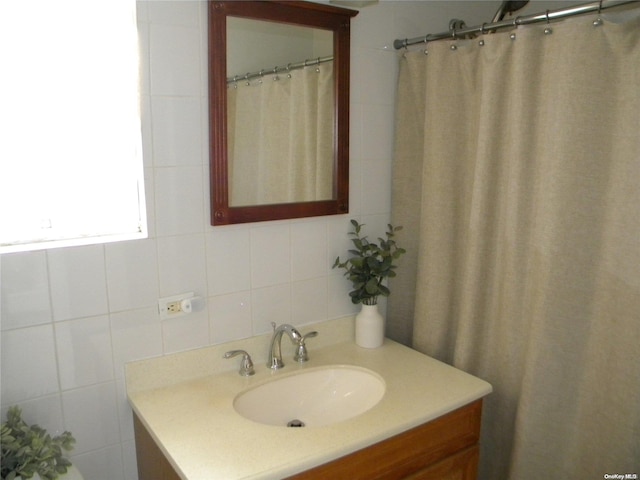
(370, 263)
(27, 450)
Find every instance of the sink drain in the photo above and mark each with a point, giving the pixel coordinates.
(295, 423)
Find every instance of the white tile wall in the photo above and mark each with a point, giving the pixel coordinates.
(308, 250)
(179, 210)
(229, 265)
(132, 274)
(78, 282)
(134, 334)
(174, 58)
(91, 413)
(72, 317)
(84, 351)
(28, 364)
(25, 291)
(270, 255)
(230, 317)
(176, 134)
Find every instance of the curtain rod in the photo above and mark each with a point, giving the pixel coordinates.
(516, 21)
(275, 70)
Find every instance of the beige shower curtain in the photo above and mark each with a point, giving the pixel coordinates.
(517, 180)
(280, 138)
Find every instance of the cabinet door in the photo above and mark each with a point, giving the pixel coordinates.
(460, 466)
(411, 452)
(152, 464)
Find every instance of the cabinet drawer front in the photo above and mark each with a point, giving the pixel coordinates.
(409, 452)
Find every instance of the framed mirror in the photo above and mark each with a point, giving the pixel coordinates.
(278, 110)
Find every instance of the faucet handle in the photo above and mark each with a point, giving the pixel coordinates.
(309, 335)
(301, 350)
(246, 365)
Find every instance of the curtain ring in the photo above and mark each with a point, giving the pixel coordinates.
(318, 65)
(288, 70)
(246, 77)
(482, 29)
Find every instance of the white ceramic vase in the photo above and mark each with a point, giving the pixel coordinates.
(369, 327)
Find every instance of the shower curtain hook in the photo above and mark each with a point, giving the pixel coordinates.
(288, 70)
(275, 74)
(548, 30)
(406, 49)
(515, 26)
(482, 32)
(261, 76)
(454, 35)
(246, 77)
(598, 21)
(318, 65)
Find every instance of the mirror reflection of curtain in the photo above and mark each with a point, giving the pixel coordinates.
(280, 138)
(516, 178)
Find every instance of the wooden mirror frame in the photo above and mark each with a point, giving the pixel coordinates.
(313, 15)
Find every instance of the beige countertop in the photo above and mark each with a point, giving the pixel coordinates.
(186, 402)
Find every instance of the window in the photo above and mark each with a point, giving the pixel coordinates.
(71, 169)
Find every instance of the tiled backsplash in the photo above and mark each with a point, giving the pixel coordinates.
(72, 317)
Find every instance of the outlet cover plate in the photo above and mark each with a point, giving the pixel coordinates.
(163, 305)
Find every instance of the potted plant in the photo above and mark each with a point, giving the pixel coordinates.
(367, 268)
(28, 451)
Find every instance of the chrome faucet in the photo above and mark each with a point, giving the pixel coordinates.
(275, 351)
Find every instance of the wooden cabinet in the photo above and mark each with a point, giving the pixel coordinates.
(152, 464)
(443, 449)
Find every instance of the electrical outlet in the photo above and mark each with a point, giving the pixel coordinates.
(174, 307)
(171, 307)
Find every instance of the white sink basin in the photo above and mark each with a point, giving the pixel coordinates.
(313, 397)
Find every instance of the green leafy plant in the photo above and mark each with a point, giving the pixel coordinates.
(27, 450)
(370, 263)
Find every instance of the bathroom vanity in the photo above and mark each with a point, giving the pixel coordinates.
(425, 426)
